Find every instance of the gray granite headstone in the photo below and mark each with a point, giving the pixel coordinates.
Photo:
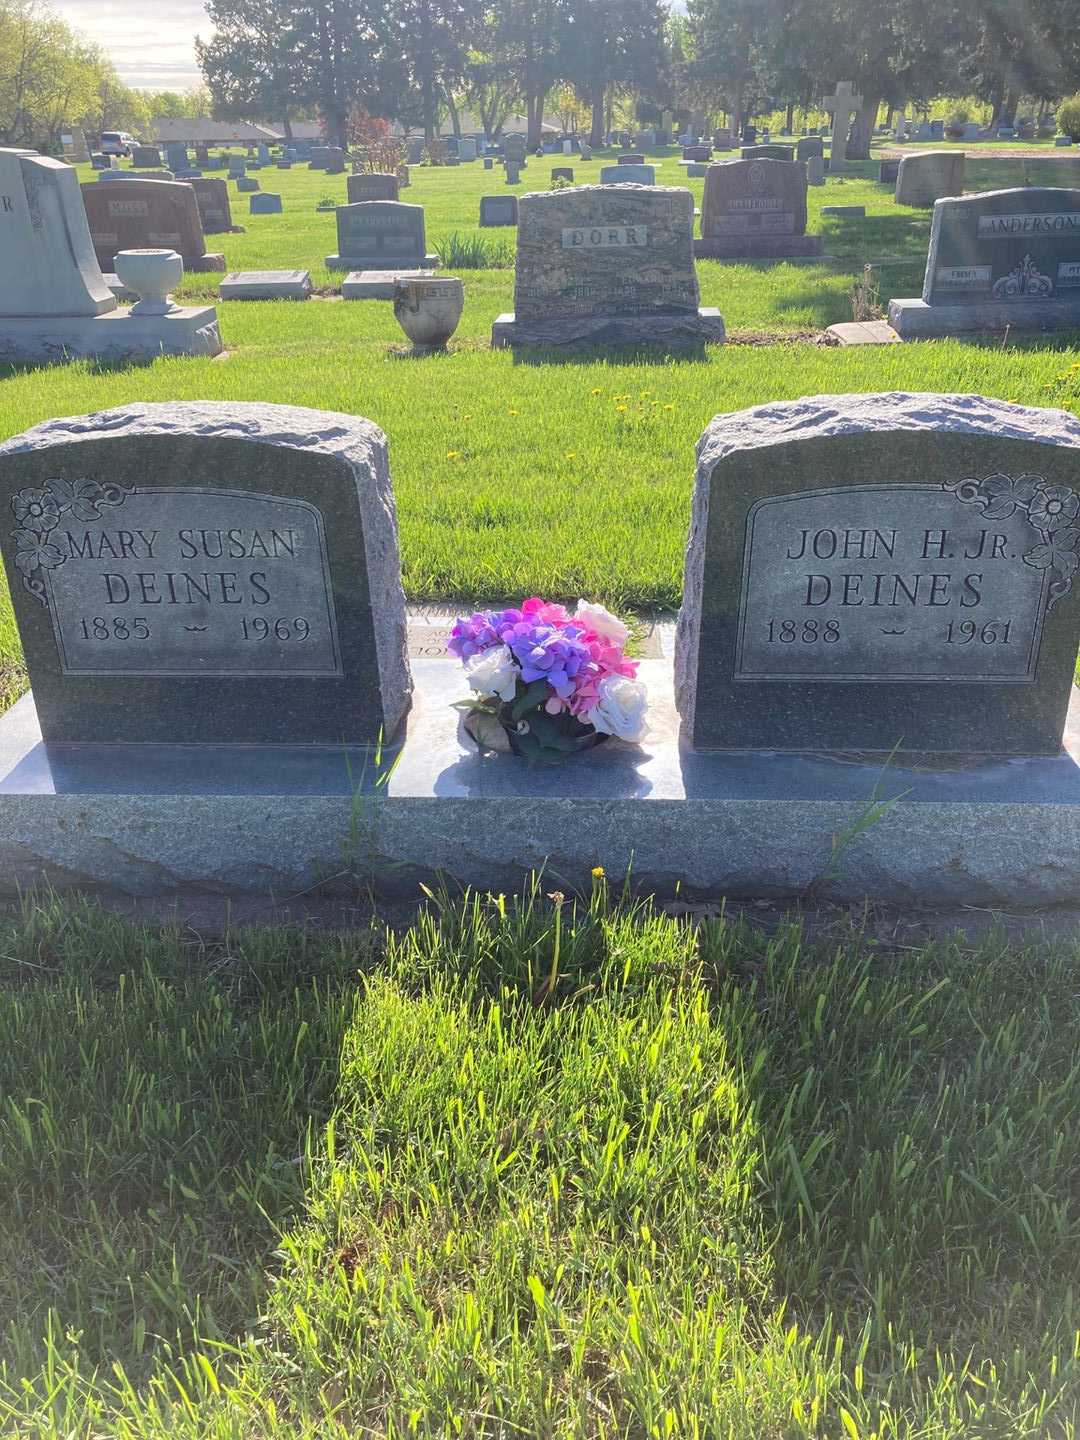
(498, 210)
(152, 214)
(923, 179)
(1004, 258)
(623, 174)
(374, 185)
(808, 146)
(380, 235)
(767, 152)
(265, 204)
(606, 264)
(755, 209)
(203, 572)
(145, 156)
(215, 209)
(872, 571)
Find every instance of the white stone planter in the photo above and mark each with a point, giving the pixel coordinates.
(428, 310)
(151, 274)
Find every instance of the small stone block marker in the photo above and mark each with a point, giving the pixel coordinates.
(625, 174)
(767, 152)
(870, 572)
(381, 235)
(266, 285)
(498, 210)
(376, 284)
(607, 265)
(924, 179)
(845, 212)
(863, 332)
(207, 573)
(1003, 258)
(265, 204)
(375, 185)
(755, 209)
(246, 185)
(148, 214)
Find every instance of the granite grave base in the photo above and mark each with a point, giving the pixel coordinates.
(154, 820)
(916, 320)
(668, 329)
(372, 262)
(759, 247)
(116, 335)
(375, 284)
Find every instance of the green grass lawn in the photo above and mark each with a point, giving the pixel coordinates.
(523, 1171)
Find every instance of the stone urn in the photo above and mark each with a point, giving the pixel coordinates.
(428, 310)
(151, 274)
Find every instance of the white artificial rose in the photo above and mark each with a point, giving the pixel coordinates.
(493, 672)
(601, 622)
(620, 708)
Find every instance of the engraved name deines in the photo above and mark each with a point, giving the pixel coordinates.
(601, 237)
(872, 583)
(1056, 222)
(178, 581)
(961, 276)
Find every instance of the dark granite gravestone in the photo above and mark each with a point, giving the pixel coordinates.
(212, 198)
(607, 264)
(374, 185)
(697, 153)
(498, 210)
(873, 571)
(634, 159)
(755, 209)
(145, 156)
(176, 156)
(380, 235)
(809, 146)
(767, 152)
(205, 573)
(888, 170)
(154, 214)
(1008, 257)
(562, 172)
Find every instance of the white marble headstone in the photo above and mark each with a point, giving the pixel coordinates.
(47, 263)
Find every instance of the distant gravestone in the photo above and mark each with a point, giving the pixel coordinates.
(145, 157)
(212, 573)
(246, 185)
(809, 146)
(466, 150)
(212, 198)
(755, 209)
(867, 572)
(1004, 258)
(265, 204)
(176, 156)
(767, 152)
(607, 265)
(562, 172)
(513, 172)
(152, 214)
(374, 186)
(99, 161)
(320, 156)
(633, 159)
(923, 179)
(380, 235)
(815, 170)
(888, 170)
(514, 148)
(627, 175)
(237, 166)
(202, 157)
(74, 147)
(841, 106)
(335, 160)
(489, 163)
(697, 153)
(497, 210)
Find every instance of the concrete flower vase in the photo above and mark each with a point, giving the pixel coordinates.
(428, 310)
(151, 274)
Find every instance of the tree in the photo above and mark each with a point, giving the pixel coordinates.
(533, 34)
(608, 43)
(434, 38)
(729, 62)
(251, 66)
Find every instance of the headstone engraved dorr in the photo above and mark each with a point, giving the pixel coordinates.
(867, 572)
(380, 235)
(207, 573)
(1004, 258)
(607, 264)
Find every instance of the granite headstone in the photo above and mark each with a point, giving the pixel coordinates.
(755, 209)
(867, 572)
(607, 264)
(374, 185)
(212, 198)
(380, 235)
(150, 214)
(497, 210)
(207, 573)
(923, 179)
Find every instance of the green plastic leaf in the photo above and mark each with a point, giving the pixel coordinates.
(532, 698)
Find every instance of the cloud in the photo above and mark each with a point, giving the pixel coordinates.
(157, 53)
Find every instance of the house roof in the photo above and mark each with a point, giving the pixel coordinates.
(209, 132)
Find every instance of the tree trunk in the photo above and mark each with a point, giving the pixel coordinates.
(534, 114)
(286, 125)
(862, 132)
(996, 97)
(452, 110)
(789, 123)
(596, 131)
(1009, 107)
(889, 117)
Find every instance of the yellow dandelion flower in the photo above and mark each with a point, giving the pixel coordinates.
(570, 455)
(597, 391)
(466, 417)
(598, 872)
(621, 409)
(513, 412)
(644, 394)
(453, 454)
(669, 407)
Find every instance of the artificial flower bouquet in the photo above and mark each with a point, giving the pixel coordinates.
(546, 683)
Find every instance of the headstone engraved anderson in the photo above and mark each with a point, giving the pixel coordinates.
(1007, 257)
(873, 571)
(207, 573)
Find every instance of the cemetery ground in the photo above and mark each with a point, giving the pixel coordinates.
(529, 1165)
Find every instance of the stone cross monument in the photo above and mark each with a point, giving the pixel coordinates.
(841, 106)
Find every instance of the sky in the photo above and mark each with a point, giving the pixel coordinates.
(151, 42)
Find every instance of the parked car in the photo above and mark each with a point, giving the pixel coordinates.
(117, 142)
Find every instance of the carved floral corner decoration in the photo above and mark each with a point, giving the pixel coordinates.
(1051, 511)
(39, 512)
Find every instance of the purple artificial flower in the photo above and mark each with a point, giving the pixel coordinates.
(548, 652)
(469, 636)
